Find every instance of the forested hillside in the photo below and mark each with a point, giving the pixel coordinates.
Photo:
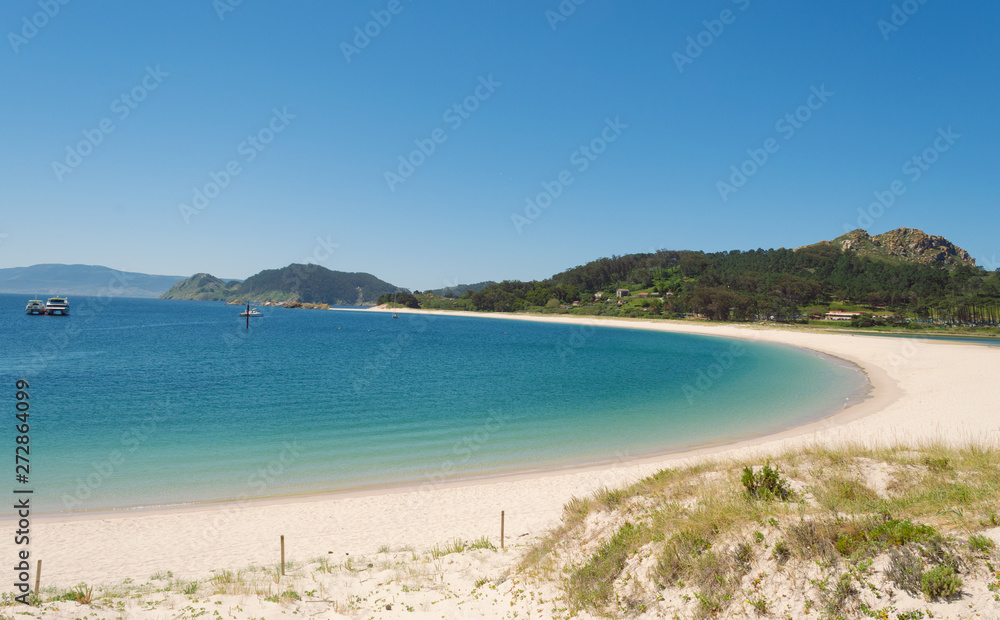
(743, 286)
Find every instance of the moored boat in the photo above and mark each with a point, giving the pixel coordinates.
(57, 306)
(35, 306)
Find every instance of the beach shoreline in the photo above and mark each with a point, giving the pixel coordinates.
(854, 411)
(911, 381)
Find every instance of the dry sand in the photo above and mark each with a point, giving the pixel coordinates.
(923, 391)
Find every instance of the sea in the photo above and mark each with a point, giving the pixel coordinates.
(136, 403)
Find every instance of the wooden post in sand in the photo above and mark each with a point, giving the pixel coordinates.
(282, 554)
(501, 529)
(38, 577)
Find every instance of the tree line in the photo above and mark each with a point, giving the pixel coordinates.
(744, 285)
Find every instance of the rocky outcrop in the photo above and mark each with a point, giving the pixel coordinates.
(906, 244)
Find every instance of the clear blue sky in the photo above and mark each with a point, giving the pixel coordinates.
(672, 95)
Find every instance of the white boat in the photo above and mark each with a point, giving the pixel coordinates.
(57, 306)
(35, 306)
(250, 313)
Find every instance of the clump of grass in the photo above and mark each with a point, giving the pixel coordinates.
(781, 553)
(840, 494)
(81, 594)
(716, 577)
(593, 584)
(456, 546)
(940, 582)
(905, 569)
(876, 536)
(226, 577)
(576, 510)
(760, 605)
(482, 543)
(611, 498)
(939, 464)
(766, 484)
(981, 543)
(744, 555)
(678, 556)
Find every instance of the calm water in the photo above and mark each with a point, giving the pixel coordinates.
(152, 402)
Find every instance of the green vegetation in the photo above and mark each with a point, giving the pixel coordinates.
(895, 289)
(766, 484)
(940, 581)
(398, 300)
(309, 284)
(698, 537)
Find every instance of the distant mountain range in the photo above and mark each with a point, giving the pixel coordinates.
(903, 245)
(55, 279)
(296, 282)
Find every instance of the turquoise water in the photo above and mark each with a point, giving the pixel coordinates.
(153, 402)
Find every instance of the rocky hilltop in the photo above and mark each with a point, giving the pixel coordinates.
(905, 244)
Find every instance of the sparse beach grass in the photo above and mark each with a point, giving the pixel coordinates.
(854, 527)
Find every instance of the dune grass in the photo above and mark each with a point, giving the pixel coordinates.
(696, 534)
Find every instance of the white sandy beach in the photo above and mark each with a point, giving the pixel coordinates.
(923, 391)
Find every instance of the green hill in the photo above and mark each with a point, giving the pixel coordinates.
(903, 272)
(203, 287)
(294, 283)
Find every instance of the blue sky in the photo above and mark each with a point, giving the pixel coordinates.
(459, 141)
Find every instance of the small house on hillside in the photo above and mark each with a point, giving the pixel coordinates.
(598, 295)
(622, 292)
(642, 294)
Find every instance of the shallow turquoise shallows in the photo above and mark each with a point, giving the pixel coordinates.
(138, 402)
